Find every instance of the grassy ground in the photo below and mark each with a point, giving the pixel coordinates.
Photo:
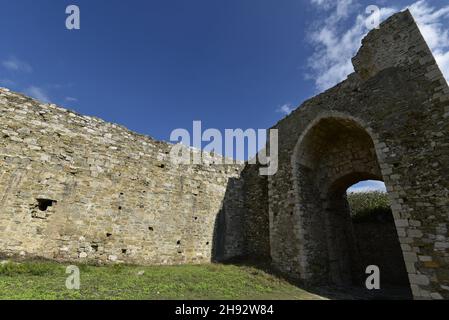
(46, 280)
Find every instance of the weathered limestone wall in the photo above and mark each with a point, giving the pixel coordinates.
(78, 188)
(108, 194)
(395, 108)
(243, 223)
(256, 222)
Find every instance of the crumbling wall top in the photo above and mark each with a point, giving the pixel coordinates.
(397, 42)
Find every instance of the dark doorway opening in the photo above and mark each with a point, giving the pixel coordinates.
(376, 241)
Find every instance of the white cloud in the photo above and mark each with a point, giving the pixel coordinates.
(368, 186)
(434, 26)
(7, 82)
(286, 108)
(15, 64)
(334, 44)
(443, 61)
(340, 8)
(37, 93)
(325, 3)
(71, 99)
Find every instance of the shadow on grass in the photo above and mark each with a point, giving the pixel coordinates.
(388, 292)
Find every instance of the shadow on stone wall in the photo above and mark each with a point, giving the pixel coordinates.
(228, 237)
(241, 231)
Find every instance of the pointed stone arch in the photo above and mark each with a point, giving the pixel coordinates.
(334, 152)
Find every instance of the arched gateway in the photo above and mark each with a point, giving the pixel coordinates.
(335, 152)
(332, 154)
(388, 121)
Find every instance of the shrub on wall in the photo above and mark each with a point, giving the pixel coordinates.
(369, 206)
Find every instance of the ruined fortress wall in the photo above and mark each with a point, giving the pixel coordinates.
(396, 104)
(243, 224)
(77, 188)
(256, 221)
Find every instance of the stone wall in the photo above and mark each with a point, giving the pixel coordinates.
(256, 222)
(77, 188)
(389, 121)
(377, 244)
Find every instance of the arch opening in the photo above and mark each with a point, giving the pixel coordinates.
(334, 155)
(376, 238)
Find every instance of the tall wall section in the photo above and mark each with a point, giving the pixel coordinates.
(396, 103)
(77, 188)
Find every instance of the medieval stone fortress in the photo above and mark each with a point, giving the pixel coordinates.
(76, 188)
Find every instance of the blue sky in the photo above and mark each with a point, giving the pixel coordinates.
(157, 65)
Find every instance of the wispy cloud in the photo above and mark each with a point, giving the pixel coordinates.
(37, 93)
(434, 25)
(60, 85)
(71, 99)
(7, 82)
(340, 9)
(14, 64)
(286, 108)
(334, 43)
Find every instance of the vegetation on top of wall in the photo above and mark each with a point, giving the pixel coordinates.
(371, 206)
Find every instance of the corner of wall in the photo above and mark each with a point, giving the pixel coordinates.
(397, 42)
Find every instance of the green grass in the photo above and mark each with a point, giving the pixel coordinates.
(46, 280)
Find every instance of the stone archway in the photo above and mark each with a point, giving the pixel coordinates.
(335, 152)
(386, 121)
